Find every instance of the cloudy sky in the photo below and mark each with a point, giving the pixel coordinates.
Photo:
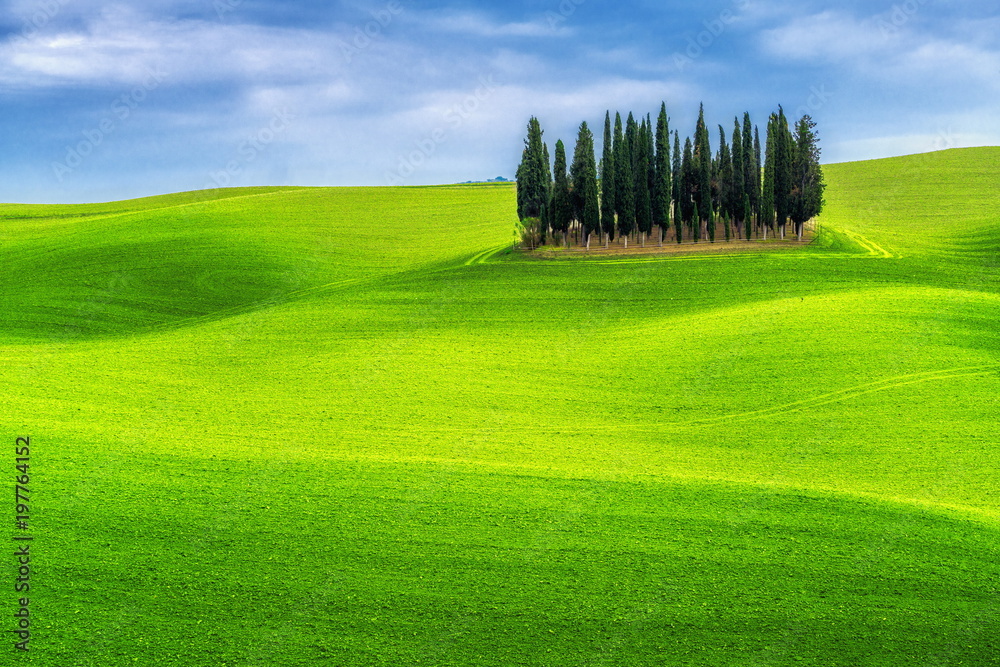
(112, 100)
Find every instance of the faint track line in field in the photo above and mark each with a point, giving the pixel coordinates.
(870, 247)
(816, 401)
(852, 392)
(485, 256)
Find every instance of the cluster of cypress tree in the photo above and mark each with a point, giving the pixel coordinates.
(644, 183)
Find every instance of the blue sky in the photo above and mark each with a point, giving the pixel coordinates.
(106, 100)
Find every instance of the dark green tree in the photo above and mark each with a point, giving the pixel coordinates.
(782, 171)
(608, 178)
(583, 172)
(662, 167)
(562, 205)
(643, 201)
(624, 161)
(768, 197)
(703, 166)
(758, 175)
(676, 188)
(532, 174)
(738, 183)
(689, 186)
(650, 151)
(751, 173)
(710, 223)
(546, 216)
(624, 190)
(725, 182)
(807, 175)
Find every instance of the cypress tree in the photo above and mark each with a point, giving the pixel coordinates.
(703, 167)
(608, 177)
(757, 194)
(738, 184)
(546, 215)
(689, 179)
(768, 197)
(532, 174)
(714, 187)
(661, 174)
(624, 190)
(676, 188)
(650, 168)
(626, 182)
(632, 141)
(522, 184)
(807, 175)
(562, 206)
(643, 201)
(751, 172)
(783, 171)
(725, 181)
(584, 175)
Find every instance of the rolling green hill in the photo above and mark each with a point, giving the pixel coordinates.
(333, 426)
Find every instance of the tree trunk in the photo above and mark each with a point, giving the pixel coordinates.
(626, 241)
(588, 242)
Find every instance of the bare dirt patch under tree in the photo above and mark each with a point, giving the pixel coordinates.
(553, 248)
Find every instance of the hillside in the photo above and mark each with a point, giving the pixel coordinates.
(343, 426)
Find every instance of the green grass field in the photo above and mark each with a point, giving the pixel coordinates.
(331, 426)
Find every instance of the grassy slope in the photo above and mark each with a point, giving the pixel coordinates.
(291, 444)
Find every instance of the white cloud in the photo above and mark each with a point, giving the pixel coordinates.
(830, 36)
(479, 25)
(888, 56)
(949, 61)
(121, 48)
